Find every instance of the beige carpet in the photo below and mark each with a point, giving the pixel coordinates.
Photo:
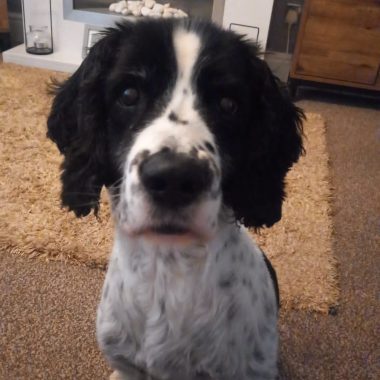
(32, 223)
(300, 246)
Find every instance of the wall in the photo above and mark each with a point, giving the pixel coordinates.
(278, 30)
(68, 35)
(251, 13)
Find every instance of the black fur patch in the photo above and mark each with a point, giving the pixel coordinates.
(273, 276)
(139, 158)
(106, 289)
(175, 119)
(227, 280)
(210, 147)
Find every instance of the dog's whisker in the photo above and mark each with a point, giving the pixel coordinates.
(117, 183)
(95, 194)
(82, 193)
(86, 204)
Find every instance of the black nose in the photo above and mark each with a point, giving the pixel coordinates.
(174, 180)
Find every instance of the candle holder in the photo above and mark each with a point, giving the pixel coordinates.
(38, 32)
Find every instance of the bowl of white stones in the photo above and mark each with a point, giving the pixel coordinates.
(146, 8)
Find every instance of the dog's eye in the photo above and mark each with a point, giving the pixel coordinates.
(228, 105)
(130, 96)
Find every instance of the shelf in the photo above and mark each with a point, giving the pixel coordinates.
(60, 61)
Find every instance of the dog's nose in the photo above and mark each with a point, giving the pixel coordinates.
(174, 180)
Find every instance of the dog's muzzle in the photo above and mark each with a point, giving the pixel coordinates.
(175, 180)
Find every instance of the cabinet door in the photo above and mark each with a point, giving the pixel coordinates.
(4, 26)
(341, 40)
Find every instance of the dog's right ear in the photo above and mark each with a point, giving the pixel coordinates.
(77, 124)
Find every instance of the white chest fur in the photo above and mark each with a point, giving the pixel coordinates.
(204, 309)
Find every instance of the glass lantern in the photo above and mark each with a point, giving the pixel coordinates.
(38, 30)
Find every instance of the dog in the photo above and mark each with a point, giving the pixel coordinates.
(192, 135)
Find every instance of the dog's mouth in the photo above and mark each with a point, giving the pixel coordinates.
(168, 229)
(169, 233)
(164, 227)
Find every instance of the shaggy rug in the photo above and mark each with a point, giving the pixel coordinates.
(33, 224)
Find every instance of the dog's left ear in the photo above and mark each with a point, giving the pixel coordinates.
(272, 143)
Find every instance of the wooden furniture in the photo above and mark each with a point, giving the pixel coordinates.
(4, 26)
(338, 43)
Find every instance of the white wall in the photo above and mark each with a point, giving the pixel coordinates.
(250, 13)
(67, 35)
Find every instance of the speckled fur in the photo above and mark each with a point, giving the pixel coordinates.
(208, 309)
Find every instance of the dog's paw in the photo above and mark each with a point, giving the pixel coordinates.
(116, 375)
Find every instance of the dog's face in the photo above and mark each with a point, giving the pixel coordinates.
(182, 122)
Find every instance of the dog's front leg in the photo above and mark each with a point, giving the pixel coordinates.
(130, 372)
(116, 375)
(130, 375)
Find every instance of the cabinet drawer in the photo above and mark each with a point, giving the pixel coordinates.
(336, 68)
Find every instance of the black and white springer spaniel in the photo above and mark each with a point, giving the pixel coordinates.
(192, 136)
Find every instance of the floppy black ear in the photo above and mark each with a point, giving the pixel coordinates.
(273, 143)
(77, 124)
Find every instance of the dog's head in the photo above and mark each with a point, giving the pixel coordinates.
(180, 120)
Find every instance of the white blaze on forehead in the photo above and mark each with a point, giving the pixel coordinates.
(186, 47)
(189, 129)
